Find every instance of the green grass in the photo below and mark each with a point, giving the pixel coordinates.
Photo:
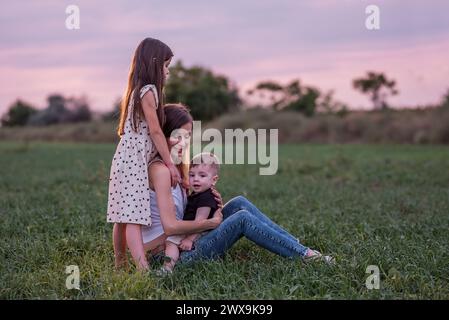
(367, 205)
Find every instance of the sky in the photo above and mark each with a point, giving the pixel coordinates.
(324, 43)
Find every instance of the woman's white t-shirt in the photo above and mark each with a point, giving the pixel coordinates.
(150, 233)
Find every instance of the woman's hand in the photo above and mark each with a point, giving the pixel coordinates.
(217, 197)
(216, 219)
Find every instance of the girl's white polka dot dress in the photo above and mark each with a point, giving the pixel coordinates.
(129, 191)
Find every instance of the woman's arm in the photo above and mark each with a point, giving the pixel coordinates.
(201, 214)
(157, 136)
(160, 176)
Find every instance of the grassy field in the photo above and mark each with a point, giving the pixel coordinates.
(368, 205)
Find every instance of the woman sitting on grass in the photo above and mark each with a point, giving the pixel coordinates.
(237, 218)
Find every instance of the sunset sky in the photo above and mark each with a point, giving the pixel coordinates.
(322, 42)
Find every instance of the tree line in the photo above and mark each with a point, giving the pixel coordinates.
(210, 95)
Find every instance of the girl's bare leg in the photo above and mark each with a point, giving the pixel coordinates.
(119, 241)
(135, 246)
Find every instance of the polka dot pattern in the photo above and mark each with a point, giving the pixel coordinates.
(129, 190)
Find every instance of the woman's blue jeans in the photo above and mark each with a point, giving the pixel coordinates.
(242, 219)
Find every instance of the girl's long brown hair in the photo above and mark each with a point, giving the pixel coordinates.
(147, 67)
(177, 115)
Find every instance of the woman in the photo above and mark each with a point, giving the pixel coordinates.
(238, 218)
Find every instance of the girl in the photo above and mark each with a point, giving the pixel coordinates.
(141, 138)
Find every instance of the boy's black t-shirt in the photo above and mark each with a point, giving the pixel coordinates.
(198, 200)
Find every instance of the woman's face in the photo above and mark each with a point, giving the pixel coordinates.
(179, 141)
(166, 71)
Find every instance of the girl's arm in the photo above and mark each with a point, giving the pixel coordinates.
(160, 176)
(157, 136)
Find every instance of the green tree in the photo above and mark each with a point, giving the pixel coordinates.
(293, 96)
(55, 112)
(206, 94)
(445, 100)
(328, 104)
(270, 90)
(62, 110)
(18, 114)
(377, 86)
(79, 110)
(306, 102)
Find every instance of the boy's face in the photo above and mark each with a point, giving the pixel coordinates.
(202, 177)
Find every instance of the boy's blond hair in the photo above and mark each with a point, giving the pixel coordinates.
(208, 159)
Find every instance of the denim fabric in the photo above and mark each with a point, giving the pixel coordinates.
(242, 219)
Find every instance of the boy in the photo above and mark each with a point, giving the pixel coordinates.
(201, 204)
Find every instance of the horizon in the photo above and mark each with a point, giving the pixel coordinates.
(248, 42)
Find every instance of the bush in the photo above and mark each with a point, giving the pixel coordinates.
(428, 125)
(18, 114)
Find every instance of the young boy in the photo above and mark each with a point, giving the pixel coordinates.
(201, 204)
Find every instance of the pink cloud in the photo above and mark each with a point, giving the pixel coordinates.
(421, 70)
(322, 42)
(34, 85)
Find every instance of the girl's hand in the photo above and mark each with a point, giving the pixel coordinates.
(174, 172)
(217, 197)
(185, 185)
(172, 142)
(175, 176)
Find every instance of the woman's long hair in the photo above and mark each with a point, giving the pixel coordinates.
(147, 67)
(177, 115)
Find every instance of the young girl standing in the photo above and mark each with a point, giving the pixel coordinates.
(141, 139)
